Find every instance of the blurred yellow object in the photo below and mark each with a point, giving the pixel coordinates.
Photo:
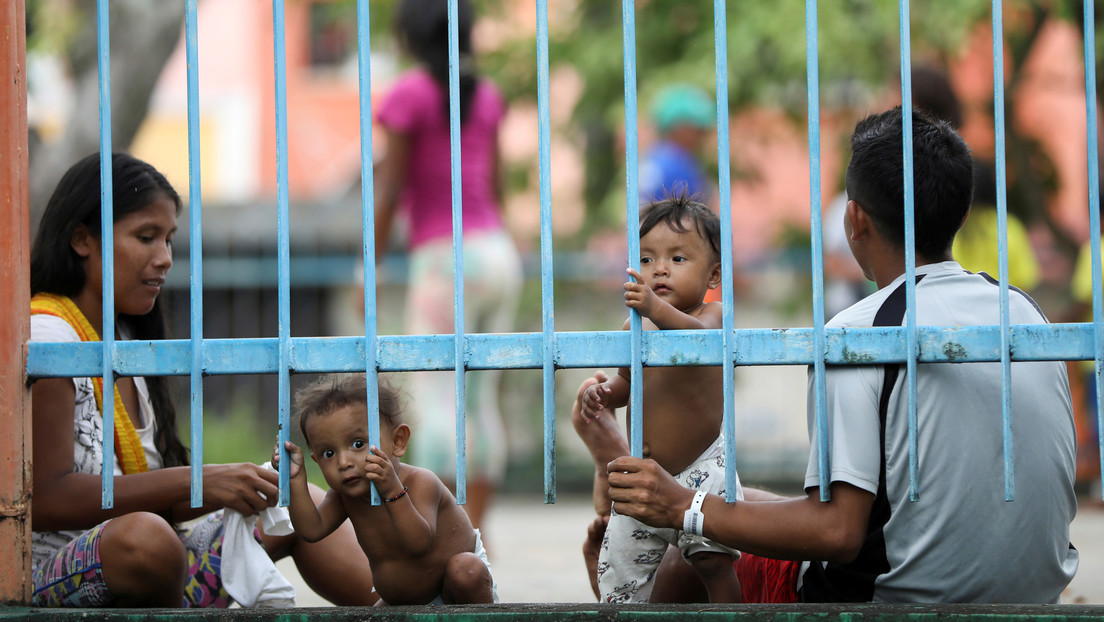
(975, 248)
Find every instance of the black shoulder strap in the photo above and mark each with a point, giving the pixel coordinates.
(854, 581)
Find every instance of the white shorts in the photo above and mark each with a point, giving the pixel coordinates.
(631, 551)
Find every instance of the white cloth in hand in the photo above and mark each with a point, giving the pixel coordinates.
(248, 574)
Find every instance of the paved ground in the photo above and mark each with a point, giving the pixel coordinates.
(535, 553)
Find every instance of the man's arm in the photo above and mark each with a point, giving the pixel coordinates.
(800, 528)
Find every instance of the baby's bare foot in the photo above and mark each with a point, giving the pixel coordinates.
(602, 434)
(602, 437)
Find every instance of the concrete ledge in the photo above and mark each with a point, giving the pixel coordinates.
(590, 613)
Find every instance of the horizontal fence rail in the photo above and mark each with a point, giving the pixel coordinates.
(548, 349)
(397, 353)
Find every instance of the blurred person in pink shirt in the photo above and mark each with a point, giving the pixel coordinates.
(415, 176)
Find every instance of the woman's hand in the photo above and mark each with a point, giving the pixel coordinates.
(245, 487)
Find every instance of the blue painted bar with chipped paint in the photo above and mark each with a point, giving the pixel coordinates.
(572, 350)
(632, 226)
(548, 350)
(368, 227)
(283, 259)
(548, 326)
(107, 243)
(1002, 248)
(728, 321)
(812, 61)
(457, 253)
(195, 217)
(1094, 220)
(910, 247)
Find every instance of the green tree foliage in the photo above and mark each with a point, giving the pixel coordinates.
(859, 53)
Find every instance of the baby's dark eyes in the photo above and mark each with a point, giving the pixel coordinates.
(327, 453)
(679, 259)
(645, 260)
(358, 444)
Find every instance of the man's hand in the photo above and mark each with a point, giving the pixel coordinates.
(642, 489)
(639, 296)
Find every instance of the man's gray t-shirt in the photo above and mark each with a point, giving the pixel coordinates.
(961, 541)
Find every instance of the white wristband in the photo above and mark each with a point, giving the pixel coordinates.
(693, 521)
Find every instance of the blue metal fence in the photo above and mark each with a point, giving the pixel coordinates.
(548, 349)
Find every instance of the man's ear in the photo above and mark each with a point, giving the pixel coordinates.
(400, 436)
(715, 276)
(82, 242)
(858, 220)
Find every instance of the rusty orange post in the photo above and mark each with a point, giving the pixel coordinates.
(15, 400)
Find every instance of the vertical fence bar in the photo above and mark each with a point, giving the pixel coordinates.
(195, 215)
(548, 325)
(812, 68)
(107, 241)
(1002, 249)
(912, 344)
(632, 225)
(1094, 218)
(457, 252)
(724, 184)
(15, 408)
(368, 228)
(283, 259)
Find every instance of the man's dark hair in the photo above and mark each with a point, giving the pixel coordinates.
(335, 391)
(675, 211)
(942, 174)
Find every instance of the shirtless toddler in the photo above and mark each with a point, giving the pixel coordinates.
(683, 406)
(419, 542)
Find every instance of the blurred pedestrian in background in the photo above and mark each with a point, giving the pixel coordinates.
(415, 176)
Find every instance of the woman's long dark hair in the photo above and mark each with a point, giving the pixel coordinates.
(422, 26)
(56, 268)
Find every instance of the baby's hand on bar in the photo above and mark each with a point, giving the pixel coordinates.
(378, 468)
(295, 458)
(638, 295)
